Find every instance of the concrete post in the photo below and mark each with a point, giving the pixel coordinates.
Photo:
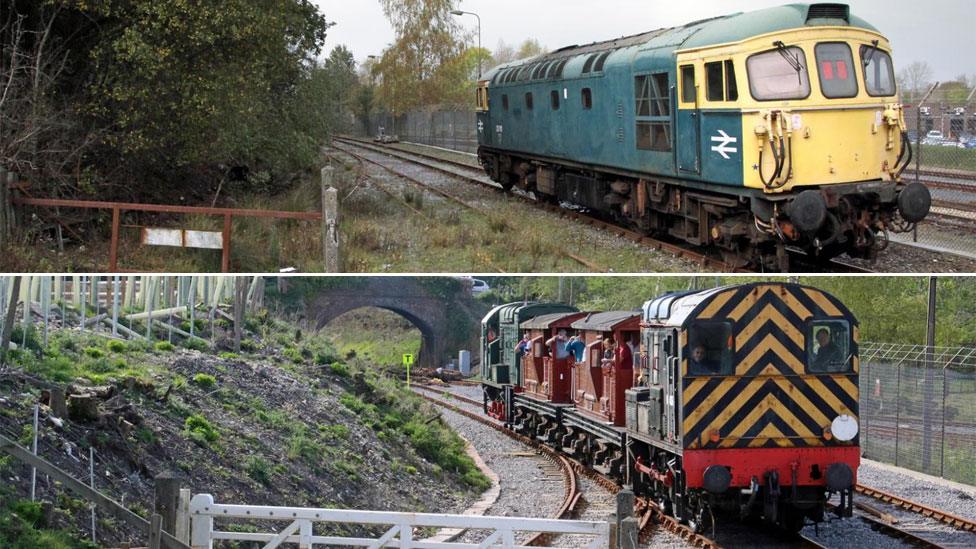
(182, 532)
(330, 221)
(167, 500)
(628, 534)
(613, 521)
(625, 509)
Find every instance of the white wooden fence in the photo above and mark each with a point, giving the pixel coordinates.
(203, 512)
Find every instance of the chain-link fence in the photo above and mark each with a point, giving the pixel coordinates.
(918, 408)
(942, 128)
(454, 129)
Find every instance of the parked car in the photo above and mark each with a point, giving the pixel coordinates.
(969, 143)
(959, 111)
(934, 137)
(479, 287)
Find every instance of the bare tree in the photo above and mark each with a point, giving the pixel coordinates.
(10, 316)
(914, 79)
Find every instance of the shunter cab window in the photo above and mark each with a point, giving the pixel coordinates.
(778, 74)
(834, 62)
(710, 348)
(528, 101)
(828, 346)
(653, 112)
(688, 91)
(505, 102)
(720, 80)
(879, 75)
(554, 99)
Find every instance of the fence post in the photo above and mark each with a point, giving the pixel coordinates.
(167, 500)
(155, 532)
(612, 523)
(201, 525)
(330, 221)
(182, 532)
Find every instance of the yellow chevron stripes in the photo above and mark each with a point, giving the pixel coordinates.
(718, 301)
(696, 415)
(696, 385)
(769, 314)
(770, 343)
(749, 302)
(823, 302)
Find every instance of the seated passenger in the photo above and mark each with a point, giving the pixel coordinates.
(828, 356)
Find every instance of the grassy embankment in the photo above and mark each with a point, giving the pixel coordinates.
(297, 445)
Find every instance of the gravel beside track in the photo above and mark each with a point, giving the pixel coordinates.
(516, 466)
(938, 493)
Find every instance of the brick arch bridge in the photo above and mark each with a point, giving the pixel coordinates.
(447, 317)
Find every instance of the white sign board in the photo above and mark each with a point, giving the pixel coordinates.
(180, 238)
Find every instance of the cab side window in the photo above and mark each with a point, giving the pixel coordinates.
(688, 91)
(720, 81)
(711, 348)
(828, 347)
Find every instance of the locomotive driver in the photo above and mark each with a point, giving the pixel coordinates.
(828, 354)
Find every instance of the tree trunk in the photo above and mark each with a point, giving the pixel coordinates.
(240, 303)
(8, 323)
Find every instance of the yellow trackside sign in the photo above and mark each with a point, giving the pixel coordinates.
(407, 360)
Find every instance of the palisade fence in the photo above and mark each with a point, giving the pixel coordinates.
(918, 408)
(445, 127)
(942, 129)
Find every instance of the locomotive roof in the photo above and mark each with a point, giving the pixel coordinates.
(604, 321)
(684, 309)
(514, 311)
(709, 32)
(544, 321)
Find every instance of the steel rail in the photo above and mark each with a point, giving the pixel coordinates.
(703, 260)
(650, 515)
(571, 486)
(646, 241)
(582, 261)
(960, 523)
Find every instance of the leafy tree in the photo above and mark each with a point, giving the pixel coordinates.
(426, 64)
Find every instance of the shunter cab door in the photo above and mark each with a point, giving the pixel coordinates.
(687, 145)
(670, 380)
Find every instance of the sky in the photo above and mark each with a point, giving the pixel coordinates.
(940, 32)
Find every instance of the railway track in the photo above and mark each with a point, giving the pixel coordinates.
(595, 267)
(878, 521)
(475, 175)
(648, 513)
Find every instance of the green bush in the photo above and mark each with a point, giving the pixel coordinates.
(205, 381)
(106, 366)
(94, 352)
(249, 345)
(340, 369)
(258, 469)
(200, 430)
(164, 346)
(196, 345)
(60, 369)
(116, 346)
(323, 358)
(33, 341)
(300, 446)
(293, 355)
(229, 356)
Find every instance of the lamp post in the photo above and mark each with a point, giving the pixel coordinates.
(460, 13)
(394, 99)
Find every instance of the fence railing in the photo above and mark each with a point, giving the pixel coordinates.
(918, 408)
(203, 512)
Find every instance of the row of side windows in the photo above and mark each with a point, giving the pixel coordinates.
(586, 96)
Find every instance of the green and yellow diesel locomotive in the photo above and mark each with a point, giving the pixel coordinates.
(749, 133)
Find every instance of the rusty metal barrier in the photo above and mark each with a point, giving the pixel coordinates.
(118, 207)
